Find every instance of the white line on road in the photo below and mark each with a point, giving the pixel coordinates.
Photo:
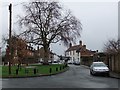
(3, 79)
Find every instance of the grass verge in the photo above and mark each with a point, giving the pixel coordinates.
(33, 70)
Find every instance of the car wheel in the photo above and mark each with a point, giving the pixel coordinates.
(91, 73)
(108, 74)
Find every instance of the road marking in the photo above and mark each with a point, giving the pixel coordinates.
(3, 79)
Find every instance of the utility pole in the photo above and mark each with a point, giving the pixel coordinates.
(10, 27)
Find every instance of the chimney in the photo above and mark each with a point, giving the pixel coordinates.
(96, 50)
(70, 45)
(84, 47)
(37, 47)
(80, 42)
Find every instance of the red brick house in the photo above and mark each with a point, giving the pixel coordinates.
(20, 51)
(41, 54)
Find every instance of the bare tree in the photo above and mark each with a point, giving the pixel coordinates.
(112, 46)
(47, 22)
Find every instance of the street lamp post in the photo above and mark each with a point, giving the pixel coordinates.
(10, 26)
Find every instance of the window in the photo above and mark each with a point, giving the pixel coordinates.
(73, 52)
(67, 53)
(70, 52)
(73, 58)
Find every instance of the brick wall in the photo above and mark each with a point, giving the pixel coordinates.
(114, 63)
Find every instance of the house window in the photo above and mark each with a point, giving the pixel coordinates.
(73, 59)
(67, 53)
(70, 52)
(73, 53)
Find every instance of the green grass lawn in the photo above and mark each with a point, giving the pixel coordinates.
(41, 69)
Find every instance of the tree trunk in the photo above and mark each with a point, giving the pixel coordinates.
(46, 55)
(19, 64)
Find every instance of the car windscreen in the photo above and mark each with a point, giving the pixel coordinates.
(99, 65)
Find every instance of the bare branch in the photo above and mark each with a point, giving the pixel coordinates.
(112, 46)
(45, 23)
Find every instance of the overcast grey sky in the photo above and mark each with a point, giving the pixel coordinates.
(99, 20)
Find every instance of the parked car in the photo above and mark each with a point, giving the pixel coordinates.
(49, 61)
(55, 62)
(99, 68)
(70, 62)
(77, 62)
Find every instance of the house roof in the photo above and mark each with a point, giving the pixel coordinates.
(82, 50)
(76, 47)
(87, 53)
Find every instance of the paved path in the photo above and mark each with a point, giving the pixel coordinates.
(75, 77)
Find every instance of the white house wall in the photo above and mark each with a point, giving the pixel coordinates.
(74, 57)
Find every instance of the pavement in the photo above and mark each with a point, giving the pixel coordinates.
(115, 75)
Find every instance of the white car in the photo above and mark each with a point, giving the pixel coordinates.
(55, 62)
(77, 62)
(99, 68)
(70, 62)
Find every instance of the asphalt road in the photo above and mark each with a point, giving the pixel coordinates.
(75, 77)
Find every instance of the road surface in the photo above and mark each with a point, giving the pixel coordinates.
(75, 77)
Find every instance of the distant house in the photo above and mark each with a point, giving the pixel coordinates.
(41, 54)
(87, 57)
(20, 51)
(79, 53)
